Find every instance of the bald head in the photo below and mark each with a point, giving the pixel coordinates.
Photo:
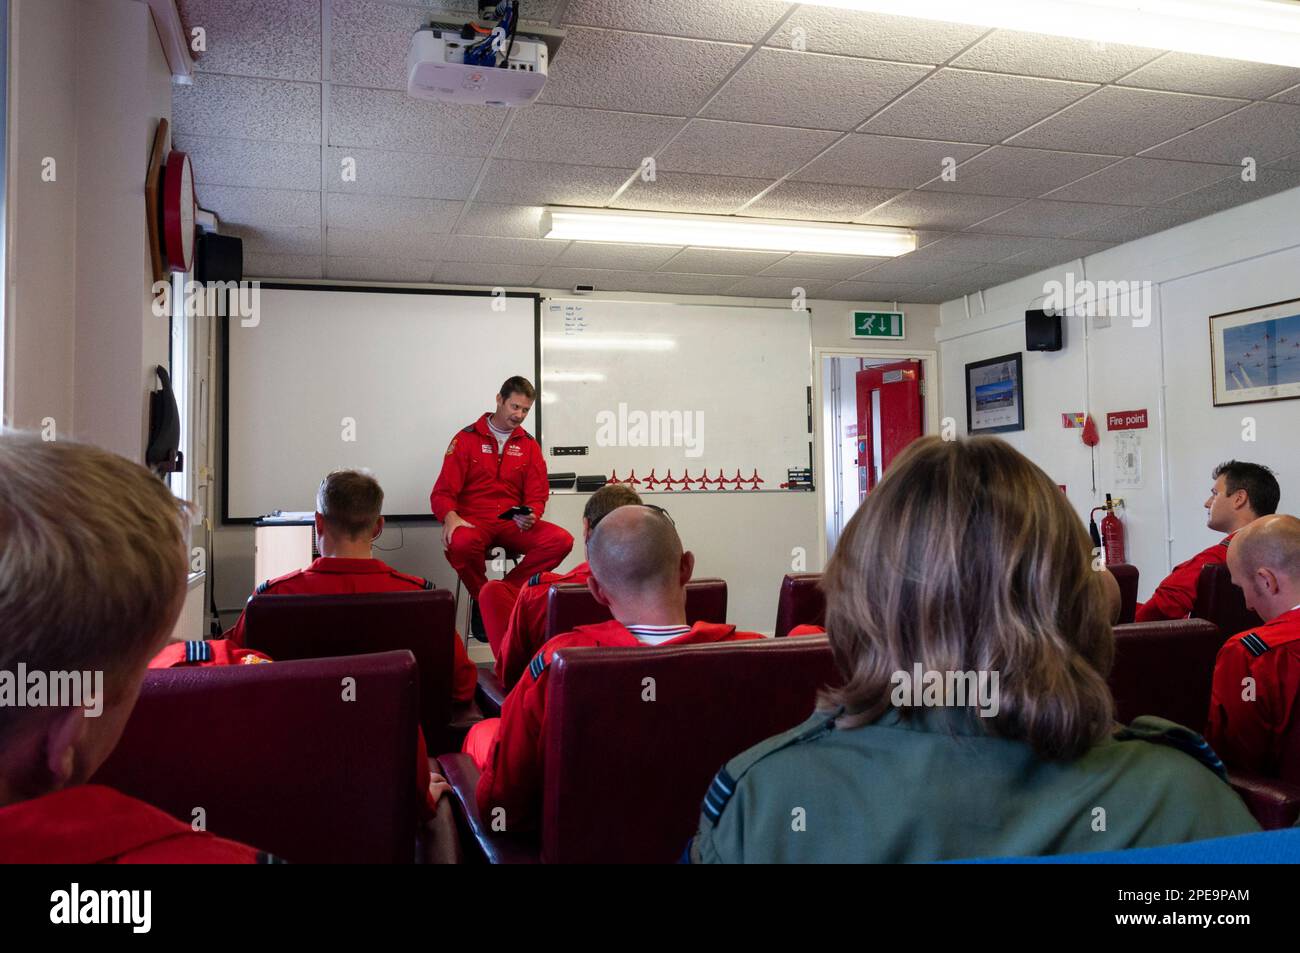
(635, 551)
(1264, 560)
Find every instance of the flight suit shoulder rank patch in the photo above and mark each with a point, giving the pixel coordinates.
(535, 579)
(198, 651)
(1253, 644)
(538, 665)
(263, 587)
(719, 793)
(1162, 732)
(427, 583)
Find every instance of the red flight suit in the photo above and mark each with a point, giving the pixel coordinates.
(509, 750)
(202, 654)
(805, 629)
(1174, 596)
(1247, 734)
(333, 576)
(480, 484)
(94, 824)
(525, 632)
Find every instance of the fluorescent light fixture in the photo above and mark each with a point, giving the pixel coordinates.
(724, 231)
(596, 342)
(1260, 31)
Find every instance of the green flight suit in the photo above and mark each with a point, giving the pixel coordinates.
(936, 787)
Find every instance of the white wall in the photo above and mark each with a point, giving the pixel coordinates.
(1239, 258)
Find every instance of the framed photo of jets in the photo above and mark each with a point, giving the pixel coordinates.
(1255, 354)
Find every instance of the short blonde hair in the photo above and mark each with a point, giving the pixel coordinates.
(92, 558)
(351, 501)
(967, 557)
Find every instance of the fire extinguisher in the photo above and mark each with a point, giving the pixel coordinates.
(1111, 536)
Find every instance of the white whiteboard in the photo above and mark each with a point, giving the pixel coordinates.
(409, 369)
(717, 388)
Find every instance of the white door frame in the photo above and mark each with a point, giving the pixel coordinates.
(930, 363)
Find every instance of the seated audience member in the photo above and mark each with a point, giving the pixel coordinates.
(1256, 695)
(639, 570)
(93, 559)
(206, 653)
(1242, 492)
(348, 521)
(974, 719)
(516, 620)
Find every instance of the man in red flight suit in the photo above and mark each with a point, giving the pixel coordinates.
(1242, 492)
(490, 467)
(92, 580)
(348, 521)
(639, 570)
(517, 633)
(1255, 698)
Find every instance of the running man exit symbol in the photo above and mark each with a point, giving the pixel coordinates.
(878, 324)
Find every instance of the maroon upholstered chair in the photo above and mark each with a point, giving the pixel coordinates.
(1126, 575)
(624, 778)
(801, 602)
(277, 758)
(1165, 669)
(569, 605)
(421, 622)
(1223, 603)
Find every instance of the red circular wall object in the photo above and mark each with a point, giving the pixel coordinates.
(178, 211)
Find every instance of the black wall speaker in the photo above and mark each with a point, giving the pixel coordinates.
(1042, 331)
(219, 258)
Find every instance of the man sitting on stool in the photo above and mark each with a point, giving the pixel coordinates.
(491, 467)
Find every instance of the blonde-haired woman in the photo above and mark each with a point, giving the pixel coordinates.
(974, 720)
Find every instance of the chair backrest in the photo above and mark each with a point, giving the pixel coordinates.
(570, 604)
(801, 602)
(277, 758)
(632, 791)
(422, 622)
(1165, 669)
(1126, 574)
(1223, 603)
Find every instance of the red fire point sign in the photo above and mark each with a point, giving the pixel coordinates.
(1127, 420)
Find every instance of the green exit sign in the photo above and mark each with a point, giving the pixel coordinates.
(878, 324)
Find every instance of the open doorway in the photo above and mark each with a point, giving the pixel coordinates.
(873, 406)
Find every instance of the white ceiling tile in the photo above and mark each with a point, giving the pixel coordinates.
(817, 201)
(282, 266)
(1047, 219)
(769, 287)
(244, 108)
(1119, 121)
(406, 244)
(1137, 223)
(378, 172)
(745, 149)
(955, 105)
(614, 256)
(813, 90)
(384, 119)
(687, 192)
(937, 210)
(1142, 182)
(501, 221)
(432, 216)
(738, 21)
(268, 240)
(378, 269)
(1263, 131)
(1026, 173)
(1213, 76)
(508, 251)
(721, 261)
(1233, 191)
(486, 275)
(637, 72)
(884, 162)
(1054, 57)
(370, 41)
(867, 292)
(549, 183)
(663, 282)
(543, 133)
(873, 35)
(1057, 251)
(269, 38)
(972, 247)
(1287, 162)
(251, 163)
(916, 271)
(807, 265)
(1291, 95)
(270, 208)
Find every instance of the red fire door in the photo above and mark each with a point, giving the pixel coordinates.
(889, 414)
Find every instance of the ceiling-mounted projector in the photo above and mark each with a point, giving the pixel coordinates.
(472, 66)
